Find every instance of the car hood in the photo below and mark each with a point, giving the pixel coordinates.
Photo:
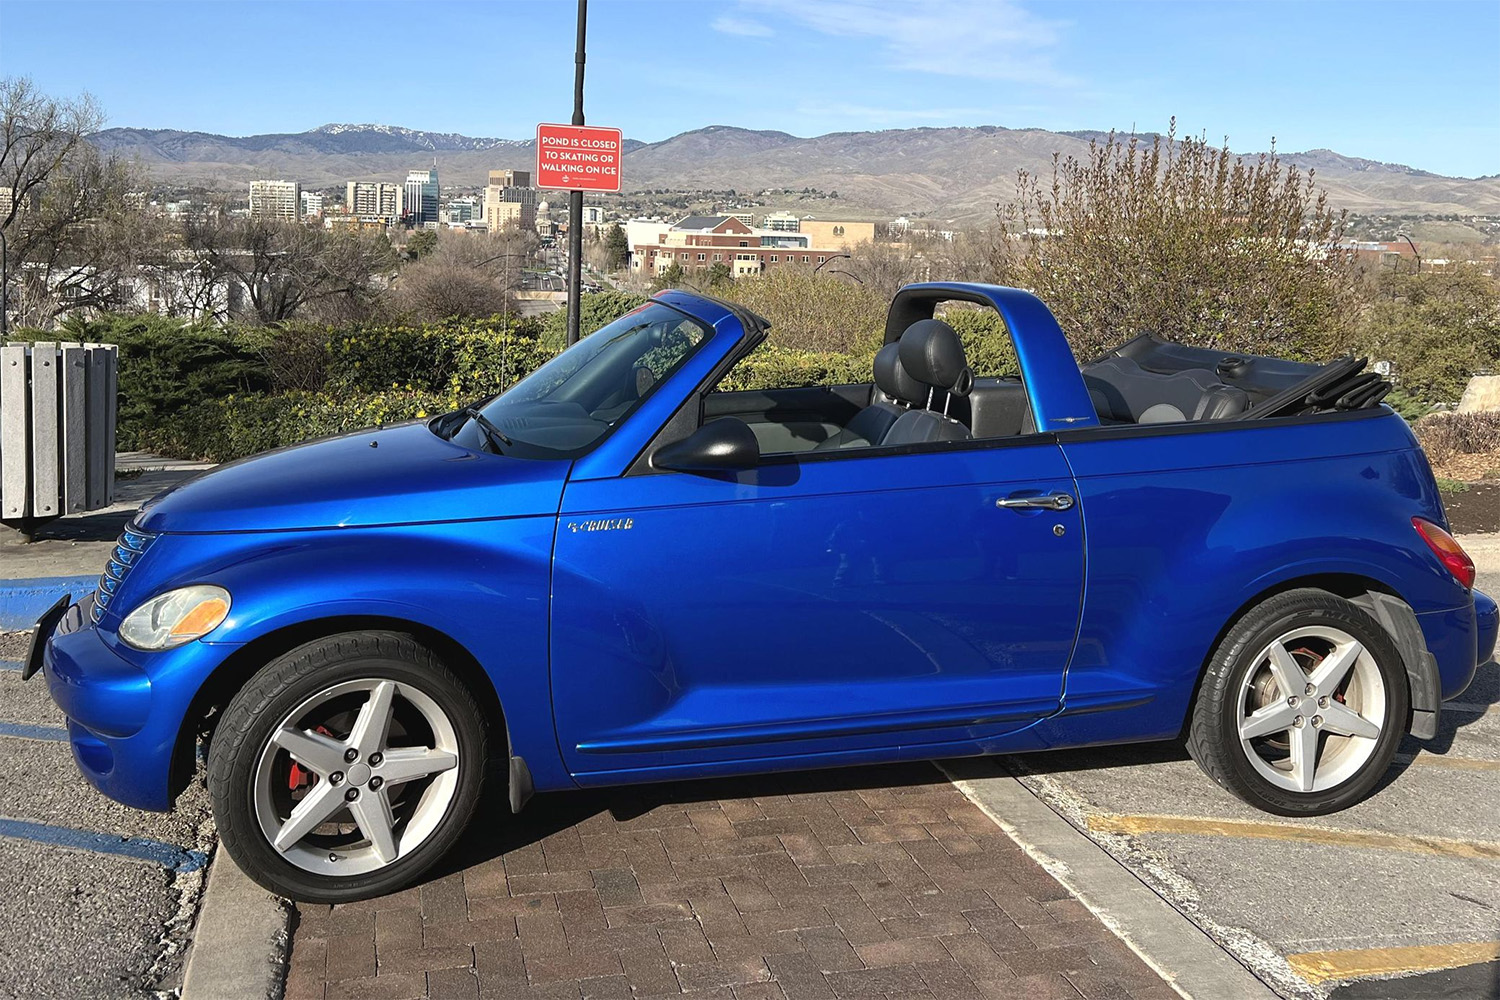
(398, 475)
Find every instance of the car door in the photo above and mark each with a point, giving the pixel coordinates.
(836, 606)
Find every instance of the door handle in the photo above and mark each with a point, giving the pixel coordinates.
(1051, 501)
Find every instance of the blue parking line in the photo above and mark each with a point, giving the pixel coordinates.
(10, 664)
(178, 859)
(26, 731)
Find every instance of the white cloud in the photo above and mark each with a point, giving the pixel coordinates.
(979, 39)
(740, 26)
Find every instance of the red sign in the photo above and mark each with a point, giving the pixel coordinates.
(577, 158)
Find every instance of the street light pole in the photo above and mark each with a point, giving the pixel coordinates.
(575, 198)
(1415, 252)
(830, 260)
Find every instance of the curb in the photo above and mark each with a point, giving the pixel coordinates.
(239, 943)
(1177, 949)
(22, 601)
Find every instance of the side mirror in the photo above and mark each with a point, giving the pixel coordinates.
(721, 445)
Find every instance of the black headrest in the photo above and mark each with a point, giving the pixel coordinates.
(894, 380)
(932, 353)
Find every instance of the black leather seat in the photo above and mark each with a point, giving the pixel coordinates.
(932, 354)
(894, 392)
(1123, 391)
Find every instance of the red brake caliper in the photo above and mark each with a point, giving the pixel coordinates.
(299, 778)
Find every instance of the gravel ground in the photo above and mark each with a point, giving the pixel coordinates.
(82, 923)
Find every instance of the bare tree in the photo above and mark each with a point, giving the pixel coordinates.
(71, 230)
(465, 276)
(287, 269)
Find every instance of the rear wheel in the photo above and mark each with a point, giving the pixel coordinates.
(1302, 707)
(346, 768)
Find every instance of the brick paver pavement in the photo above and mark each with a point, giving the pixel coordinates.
(872, 882)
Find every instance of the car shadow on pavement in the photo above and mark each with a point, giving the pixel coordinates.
(495, 831)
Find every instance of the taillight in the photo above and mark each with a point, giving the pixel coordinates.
(1446, 548)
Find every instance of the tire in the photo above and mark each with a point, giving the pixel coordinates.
(386, 738)
(1252, 729)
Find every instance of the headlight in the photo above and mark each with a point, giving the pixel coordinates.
(176, 617)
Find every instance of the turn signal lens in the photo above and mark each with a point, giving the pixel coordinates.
(176, 617)
(1449, 552)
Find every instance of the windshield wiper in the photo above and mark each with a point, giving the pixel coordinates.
(491, 432)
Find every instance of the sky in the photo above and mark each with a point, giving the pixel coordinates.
(1405, 82)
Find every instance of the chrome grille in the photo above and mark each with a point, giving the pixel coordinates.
(127, 552)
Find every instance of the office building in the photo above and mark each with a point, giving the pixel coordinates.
(510, 200)
(312, 205)
(276, 200)
(459, 211)
(420, 201)
(782, 222)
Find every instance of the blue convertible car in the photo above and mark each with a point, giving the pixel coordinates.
(615, 573)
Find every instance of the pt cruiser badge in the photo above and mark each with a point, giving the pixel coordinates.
(608, 524)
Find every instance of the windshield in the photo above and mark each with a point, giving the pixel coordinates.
(565, 406)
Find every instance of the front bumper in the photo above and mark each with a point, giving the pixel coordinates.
(125, 708)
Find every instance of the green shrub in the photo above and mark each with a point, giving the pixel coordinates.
(468, 358)
(773, 367)
(167, 365)
(986, 341)
(594, 311)
(224, 429)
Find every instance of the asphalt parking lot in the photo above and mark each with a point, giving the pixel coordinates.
(1407, 881)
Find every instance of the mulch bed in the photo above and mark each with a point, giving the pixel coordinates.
(1475, 509)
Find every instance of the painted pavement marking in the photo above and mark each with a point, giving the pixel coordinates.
(27, 731)
(1448, 847)
(1357, 963)
(179, 859)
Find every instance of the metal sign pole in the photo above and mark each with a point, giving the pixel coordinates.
(575, 198)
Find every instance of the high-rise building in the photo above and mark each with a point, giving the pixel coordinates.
(276, 200)
(509, 198)
(312, 205)
(421, 200)
(373, 198)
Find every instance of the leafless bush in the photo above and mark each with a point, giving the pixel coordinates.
(1444, 435)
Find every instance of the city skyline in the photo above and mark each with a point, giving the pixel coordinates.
(1379, 81)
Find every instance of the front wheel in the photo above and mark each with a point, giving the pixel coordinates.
(346, 768)
(1302, 707)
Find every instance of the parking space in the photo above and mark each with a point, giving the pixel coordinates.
(99, 899)
(1405, 882)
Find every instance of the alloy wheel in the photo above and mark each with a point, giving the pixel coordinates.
(356, 776)
(1312, 709)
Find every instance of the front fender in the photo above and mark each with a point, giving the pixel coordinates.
(482, 584)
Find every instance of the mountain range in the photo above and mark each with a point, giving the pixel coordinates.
(955, 174)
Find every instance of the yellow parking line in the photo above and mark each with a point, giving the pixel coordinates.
(1321, 966)
(1472, 707)
(1447, 847)
(1449, 761)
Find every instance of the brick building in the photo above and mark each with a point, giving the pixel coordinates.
(701, 241)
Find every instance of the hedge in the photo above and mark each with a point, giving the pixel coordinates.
(223, 429)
